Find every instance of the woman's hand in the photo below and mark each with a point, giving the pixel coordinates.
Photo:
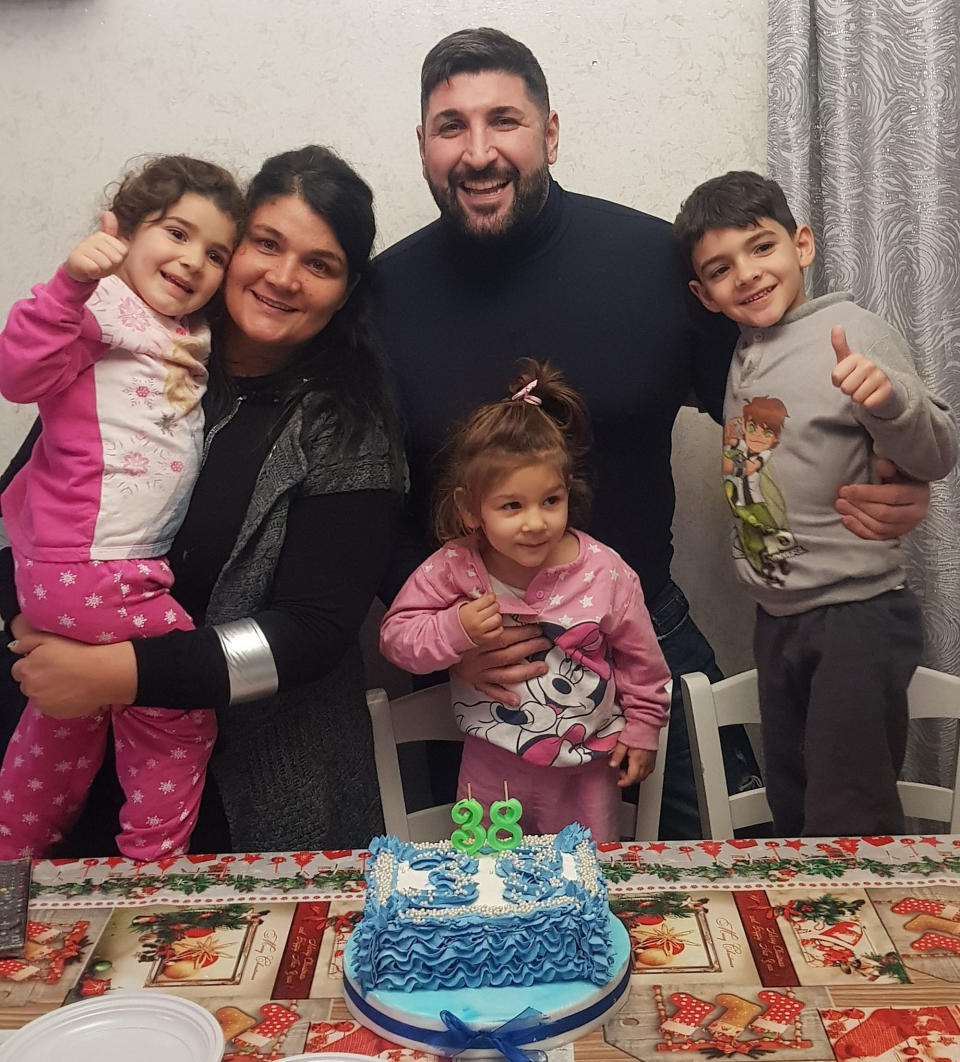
(492, 669)
(640, 762)
(888, 509)
(65, 679)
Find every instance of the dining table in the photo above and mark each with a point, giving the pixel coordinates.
(801, 949)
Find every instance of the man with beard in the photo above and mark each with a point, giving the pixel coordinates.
(517, 266)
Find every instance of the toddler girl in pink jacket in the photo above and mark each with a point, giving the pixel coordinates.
(511, 484)
(114, 356)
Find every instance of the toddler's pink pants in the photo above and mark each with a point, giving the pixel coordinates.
(161, 754)
(552, 797)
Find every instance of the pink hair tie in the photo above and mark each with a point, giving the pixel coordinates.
(524, 395)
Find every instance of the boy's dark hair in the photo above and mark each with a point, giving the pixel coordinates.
(736, 200)
(163, 179)
(503, 436)
(473, 51)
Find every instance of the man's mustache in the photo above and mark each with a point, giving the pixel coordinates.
(495, 171)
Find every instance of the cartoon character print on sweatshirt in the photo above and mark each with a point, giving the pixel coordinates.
(569, 715)
(763, 535)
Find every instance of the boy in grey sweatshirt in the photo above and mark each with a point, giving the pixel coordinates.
(817, 389)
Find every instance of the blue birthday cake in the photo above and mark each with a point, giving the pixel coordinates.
(450, 943)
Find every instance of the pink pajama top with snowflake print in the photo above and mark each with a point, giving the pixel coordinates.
(606, 674)
(118, 387)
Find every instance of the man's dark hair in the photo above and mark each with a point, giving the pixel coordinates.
(473, 51)
(737, 200)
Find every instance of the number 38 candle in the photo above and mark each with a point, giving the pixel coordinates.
(504, 832)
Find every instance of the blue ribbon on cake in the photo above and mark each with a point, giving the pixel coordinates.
(506, 1039)
(457, 1036)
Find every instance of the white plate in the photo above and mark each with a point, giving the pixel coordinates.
(325, 1056)
(120, 1027)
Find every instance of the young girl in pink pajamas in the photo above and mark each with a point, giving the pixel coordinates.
(111, 354)
(511, 486)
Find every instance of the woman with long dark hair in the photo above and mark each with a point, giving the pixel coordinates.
(289, 529)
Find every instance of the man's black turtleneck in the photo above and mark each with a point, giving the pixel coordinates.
(599, 290)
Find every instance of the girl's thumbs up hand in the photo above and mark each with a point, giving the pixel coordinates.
(865, 383)
(98, 255)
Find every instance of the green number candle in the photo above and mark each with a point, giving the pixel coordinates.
(471, 836)
(504, 816)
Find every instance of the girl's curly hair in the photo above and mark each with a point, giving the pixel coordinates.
(163, 179)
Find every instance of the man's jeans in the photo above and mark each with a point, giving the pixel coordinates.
(686, 650)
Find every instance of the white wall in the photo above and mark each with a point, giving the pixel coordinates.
(653, 96)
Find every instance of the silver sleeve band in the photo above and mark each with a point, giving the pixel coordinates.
(250, 664)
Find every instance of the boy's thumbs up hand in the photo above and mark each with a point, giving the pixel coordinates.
(838, 339)
(857, 376)
(98, 255)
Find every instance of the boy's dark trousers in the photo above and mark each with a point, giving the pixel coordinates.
(833, 704)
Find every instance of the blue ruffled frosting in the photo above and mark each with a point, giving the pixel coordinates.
(547, 928)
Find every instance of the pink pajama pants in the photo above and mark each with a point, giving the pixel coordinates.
(161, 754)
(552, 797)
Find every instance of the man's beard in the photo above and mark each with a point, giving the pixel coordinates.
(529, 195)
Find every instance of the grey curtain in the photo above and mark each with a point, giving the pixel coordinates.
(864, 136)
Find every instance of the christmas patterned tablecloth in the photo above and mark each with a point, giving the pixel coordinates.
(811, 950)
(858, 862)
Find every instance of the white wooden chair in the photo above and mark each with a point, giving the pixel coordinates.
(426, 715)
(708, 707)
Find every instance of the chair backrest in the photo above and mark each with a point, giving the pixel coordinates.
(932, 694)
(426, 715)
(707, 708)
